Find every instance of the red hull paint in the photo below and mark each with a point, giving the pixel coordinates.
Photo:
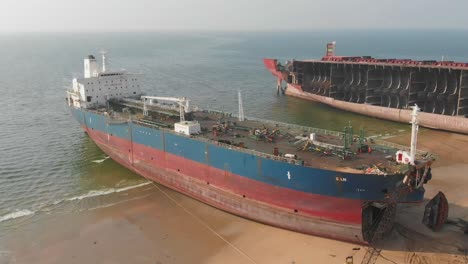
(270, 64)
(336, 218)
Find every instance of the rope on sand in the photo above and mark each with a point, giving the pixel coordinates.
(205, 224)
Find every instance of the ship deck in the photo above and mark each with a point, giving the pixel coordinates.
(326, 153)
(396, 63)
(262, 137)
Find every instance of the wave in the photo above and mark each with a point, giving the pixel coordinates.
(119, 202)
(100, 160)
(95, 193)
(16, 214)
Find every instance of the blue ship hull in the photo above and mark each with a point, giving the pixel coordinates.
(305, 199)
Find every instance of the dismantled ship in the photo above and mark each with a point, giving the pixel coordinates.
(382, 88)
(332, 184)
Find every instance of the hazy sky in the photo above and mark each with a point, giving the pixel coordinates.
(153, 15)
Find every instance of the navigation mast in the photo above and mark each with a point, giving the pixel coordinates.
(104, 60)
(241, 107)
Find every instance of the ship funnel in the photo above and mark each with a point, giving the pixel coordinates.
(331, 49)
(90, 67)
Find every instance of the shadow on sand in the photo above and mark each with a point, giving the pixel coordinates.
(422, 245)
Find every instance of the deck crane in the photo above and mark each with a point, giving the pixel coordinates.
(184, 104)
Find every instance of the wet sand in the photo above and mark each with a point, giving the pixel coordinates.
(159, 225)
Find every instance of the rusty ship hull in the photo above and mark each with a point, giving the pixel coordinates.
(382, 88)
(264, 188)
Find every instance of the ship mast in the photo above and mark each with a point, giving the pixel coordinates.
(104, 60)
(241, 107)
(414, 132)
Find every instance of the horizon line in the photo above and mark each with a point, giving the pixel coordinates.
(231, 30)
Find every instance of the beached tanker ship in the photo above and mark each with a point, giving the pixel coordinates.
(332, 184)
(383, 88)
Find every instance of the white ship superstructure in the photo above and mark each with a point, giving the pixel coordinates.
(98, 85)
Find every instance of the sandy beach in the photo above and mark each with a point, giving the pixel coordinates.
(158, 225)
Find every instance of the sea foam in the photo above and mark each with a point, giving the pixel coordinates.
(95, 193)
(16, 214)
(100, 160)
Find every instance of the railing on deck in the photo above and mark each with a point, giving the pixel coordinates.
(287, 125)
(319, 131)
(214, 142)
(419, 152)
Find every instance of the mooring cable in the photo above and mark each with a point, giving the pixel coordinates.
(205, 224)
